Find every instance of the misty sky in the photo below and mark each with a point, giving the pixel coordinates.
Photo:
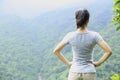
(32, 8)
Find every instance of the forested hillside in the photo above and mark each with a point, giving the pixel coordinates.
(26, 46)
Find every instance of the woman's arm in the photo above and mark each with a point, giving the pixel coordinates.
(107, 54)
(57, 52)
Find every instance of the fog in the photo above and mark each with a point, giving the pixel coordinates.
(33, 8)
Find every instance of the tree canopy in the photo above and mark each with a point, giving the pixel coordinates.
(116, 18)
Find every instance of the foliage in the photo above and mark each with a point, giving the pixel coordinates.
(116, 18)
(115, 77)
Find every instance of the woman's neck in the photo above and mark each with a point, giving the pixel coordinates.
(79, 30)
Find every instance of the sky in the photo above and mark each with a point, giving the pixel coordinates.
(32, 8)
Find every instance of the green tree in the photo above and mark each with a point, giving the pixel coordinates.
(116, 18)
(115, 77)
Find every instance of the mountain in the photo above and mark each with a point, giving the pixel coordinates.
(26, 45)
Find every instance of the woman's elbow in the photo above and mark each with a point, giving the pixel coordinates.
(110, 52)
(56, 51)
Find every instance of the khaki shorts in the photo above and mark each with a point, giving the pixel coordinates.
(81, 76)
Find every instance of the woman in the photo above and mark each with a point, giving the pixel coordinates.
(82, 42)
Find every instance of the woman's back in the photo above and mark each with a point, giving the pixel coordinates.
(82, 47)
